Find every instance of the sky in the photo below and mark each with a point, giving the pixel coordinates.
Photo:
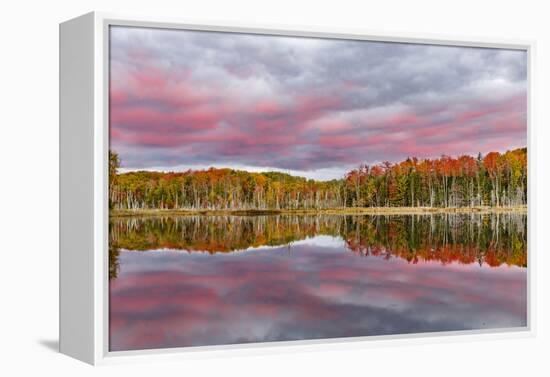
(312, 107)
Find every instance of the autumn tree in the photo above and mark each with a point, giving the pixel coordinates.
(495, 179)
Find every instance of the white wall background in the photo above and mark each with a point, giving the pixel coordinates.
(29, 185)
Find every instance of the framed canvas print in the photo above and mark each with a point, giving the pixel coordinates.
(224, 187)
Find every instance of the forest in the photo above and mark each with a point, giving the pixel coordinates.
(496, 180)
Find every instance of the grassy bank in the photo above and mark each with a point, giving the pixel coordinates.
(328, 211)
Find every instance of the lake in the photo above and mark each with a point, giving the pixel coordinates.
(210, 280)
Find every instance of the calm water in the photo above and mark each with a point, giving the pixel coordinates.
(192, 281)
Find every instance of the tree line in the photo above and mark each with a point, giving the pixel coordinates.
(496, 179)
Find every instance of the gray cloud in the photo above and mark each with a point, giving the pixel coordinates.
(299, 103)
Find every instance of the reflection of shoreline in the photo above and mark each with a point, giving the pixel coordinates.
(468, 238)
(328, 211)
(319, 241)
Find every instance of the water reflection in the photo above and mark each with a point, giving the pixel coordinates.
(269, 278)
(494, 240)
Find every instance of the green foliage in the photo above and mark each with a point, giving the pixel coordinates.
(493, 180)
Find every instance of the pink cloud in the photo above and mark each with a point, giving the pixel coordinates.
(402, 119)
(267, 107)
(152, 106)
(339, 141)
(150, 119)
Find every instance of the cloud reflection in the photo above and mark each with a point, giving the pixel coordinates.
(314, 289)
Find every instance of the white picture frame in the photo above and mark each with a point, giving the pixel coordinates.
(84, 144)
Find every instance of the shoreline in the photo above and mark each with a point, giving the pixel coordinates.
(327, 211)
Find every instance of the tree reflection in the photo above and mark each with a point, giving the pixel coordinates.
(465, 238)
(114, 265)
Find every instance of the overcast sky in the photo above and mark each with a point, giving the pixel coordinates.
(311, 107)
